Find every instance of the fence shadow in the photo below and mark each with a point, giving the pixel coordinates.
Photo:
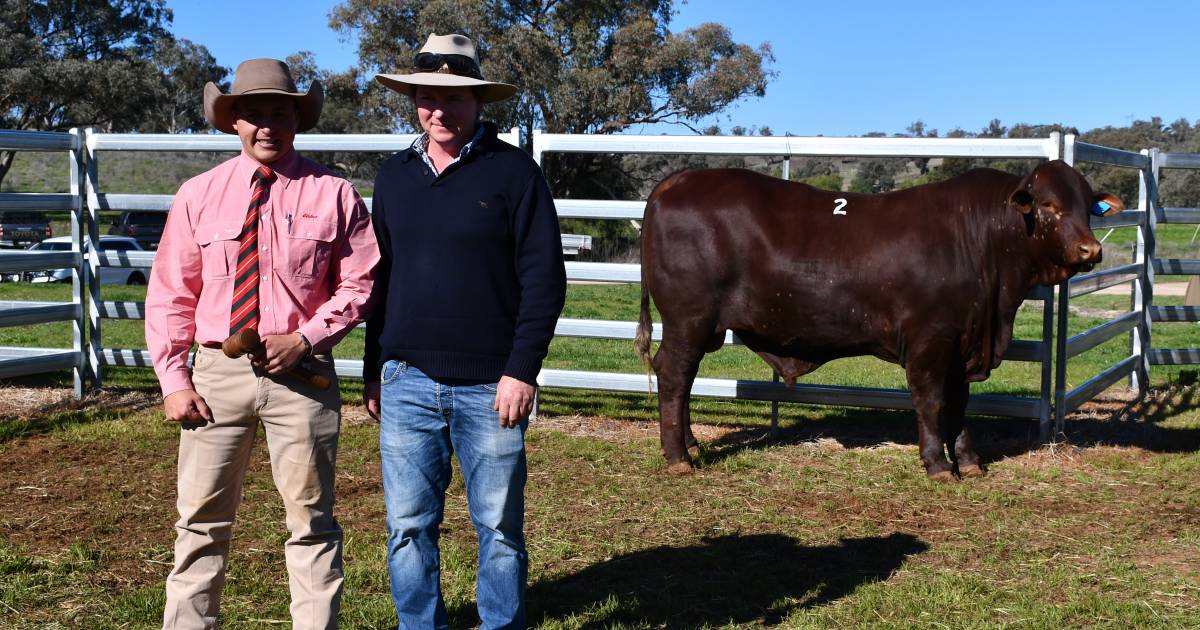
(1140, 421)
(726, 580)
(994, 438)
(1129, 421)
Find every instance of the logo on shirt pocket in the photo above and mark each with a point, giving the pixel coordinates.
(310, 248)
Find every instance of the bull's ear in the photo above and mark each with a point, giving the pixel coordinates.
(1106, 205)
(1021, 200)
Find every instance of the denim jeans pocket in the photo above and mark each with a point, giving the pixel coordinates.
(491, 387)
(392, 370)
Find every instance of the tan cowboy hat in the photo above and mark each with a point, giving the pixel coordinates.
(262, 76)
(447, 61)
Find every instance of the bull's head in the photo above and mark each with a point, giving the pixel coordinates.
(1057, 204)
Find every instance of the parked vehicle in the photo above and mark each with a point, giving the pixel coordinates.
(19, 228)
(108, 275)
(145, 226)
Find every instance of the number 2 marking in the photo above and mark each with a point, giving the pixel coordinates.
(839, 203)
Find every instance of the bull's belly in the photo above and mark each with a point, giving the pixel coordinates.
(817, 345)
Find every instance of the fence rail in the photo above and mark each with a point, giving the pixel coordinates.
(24, 361)
(85, 150)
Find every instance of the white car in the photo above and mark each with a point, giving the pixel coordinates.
(108, 275)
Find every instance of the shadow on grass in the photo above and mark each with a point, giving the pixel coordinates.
(994, 438)
(27, 427)
(1139, 422)
(24, 413)
(730, 579)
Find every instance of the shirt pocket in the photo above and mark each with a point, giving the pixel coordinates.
(310, 248)
(218, 243)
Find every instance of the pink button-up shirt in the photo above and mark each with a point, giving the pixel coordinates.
(317, 257)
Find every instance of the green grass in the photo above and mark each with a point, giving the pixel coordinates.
(791, 533)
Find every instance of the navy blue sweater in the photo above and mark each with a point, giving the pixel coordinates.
(471, 280)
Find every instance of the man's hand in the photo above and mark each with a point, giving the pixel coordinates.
(282, 352)
(514, 401)
(371, 398)
(186, 405)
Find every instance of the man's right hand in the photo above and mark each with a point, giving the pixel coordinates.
(371, 398)
(186, 405)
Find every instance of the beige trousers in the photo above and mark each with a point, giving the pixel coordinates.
(301, 425)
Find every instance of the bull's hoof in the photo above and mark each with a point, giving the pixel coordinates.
(680, 469)
(694, 451)
(971, 470)
(942, 476)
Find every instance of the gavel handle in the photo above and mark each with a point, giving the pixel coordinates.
(320, 381)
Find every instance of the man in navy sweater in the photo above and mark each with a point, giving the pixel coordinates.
(469, 288)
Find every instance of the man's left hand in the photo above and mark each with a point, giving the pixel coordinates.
(514, 401)
(283, 352)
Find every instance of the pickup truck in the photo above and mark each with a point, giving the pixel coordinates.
(21, 228)
(144, 226)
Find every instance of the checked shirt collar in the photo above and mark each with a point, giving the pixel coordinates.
(421, 146)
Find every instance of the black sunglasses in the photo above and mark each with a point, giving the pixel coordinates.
(458, 64)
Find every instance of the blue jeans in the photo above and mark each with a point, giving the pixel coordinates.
(422, 423)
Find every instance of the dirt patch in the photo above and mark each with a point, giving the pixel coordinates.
(613, 429)
(56, 494)
(38, 402)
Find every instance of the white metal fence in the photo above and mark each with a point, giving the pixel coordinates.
(1169, 266)
(86, 149)
(25, 361)
(1135, 322)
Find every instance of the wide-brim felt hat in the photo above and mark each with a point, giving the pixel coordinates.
(454, 44)
(262, 76)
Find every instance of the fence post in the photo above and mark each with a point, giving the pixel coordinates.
(77, 283)
(1054, 338)
(537, 158)
(91, 265)
(1143, 299)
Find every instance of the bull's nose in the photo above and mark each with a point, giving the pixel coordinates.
(1090, 252)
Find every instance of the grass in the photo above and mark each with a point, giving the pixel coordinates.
(800, 532)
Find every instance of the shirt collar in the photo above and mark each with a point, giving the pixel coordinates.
(286, 168)
(421, 146)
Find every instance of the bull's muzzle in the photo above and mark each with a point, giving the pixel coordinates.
(1090, 254)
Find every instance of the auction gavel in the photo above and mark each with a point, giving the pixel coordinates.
(247, 341)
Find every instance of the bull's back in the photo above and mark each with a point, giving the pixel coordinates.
(740, 228)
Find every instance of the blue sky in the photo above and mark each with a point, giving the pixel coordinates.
(850, 67)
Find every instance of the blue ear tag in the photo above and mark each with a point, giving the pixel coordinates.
(1101, 207)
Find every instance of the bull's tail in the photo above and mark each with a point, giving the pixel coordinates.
(641, 341)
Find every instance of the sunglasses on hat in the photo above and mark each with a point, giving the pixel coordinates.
(457, 64)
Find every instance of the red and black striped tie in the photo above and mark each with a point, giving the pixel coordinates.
(244, 313)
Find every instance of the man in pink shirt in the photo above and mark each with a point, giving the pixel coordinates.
(273, 242)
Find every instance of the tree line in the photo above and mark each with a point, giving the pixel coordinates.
(583, 66)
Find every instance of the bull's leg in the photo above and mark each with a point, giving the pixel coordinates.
(676, 364)
(689, 440)
(926, 374)
(958, 440)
